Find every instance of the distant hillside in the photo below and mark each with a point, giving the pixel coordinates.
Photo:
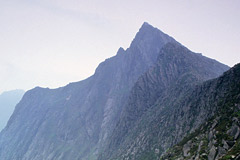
(8, 101)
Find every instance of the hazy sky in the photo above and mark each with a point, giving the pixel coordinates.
(50, 43)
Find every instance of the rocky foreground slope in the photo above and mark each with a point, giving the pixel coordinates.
(219, 136)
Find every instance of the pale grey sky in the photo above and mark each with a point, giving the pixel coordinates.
(50, 43)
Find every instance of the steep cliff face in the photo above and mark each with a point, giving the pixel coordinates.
(157, 114)
(74, 121)
(219, 136)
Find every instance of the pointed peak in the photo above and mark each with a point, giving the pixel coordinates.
(147, 28)
(146, 25)
(150, 36)
(120, 51)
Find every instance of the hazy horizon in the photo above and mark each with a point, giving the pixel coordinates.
(49, 44)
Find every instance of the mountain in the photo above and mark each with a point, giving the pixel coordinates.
(73, 122)
(219, 136)
(153, 120)
(79, 121)
(8, 101)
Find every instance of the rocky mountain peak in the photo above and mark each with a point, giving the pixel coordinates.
(120, 51)
(146, 25)
(149, 40)
(76, 121)
(144, 48)
(148, 33)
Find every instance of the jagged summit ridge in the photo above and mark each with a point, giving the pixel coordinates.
(145, 47)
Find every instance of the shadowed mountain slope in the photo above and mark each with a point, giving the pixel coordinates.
(152, 121)
(74, 121)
